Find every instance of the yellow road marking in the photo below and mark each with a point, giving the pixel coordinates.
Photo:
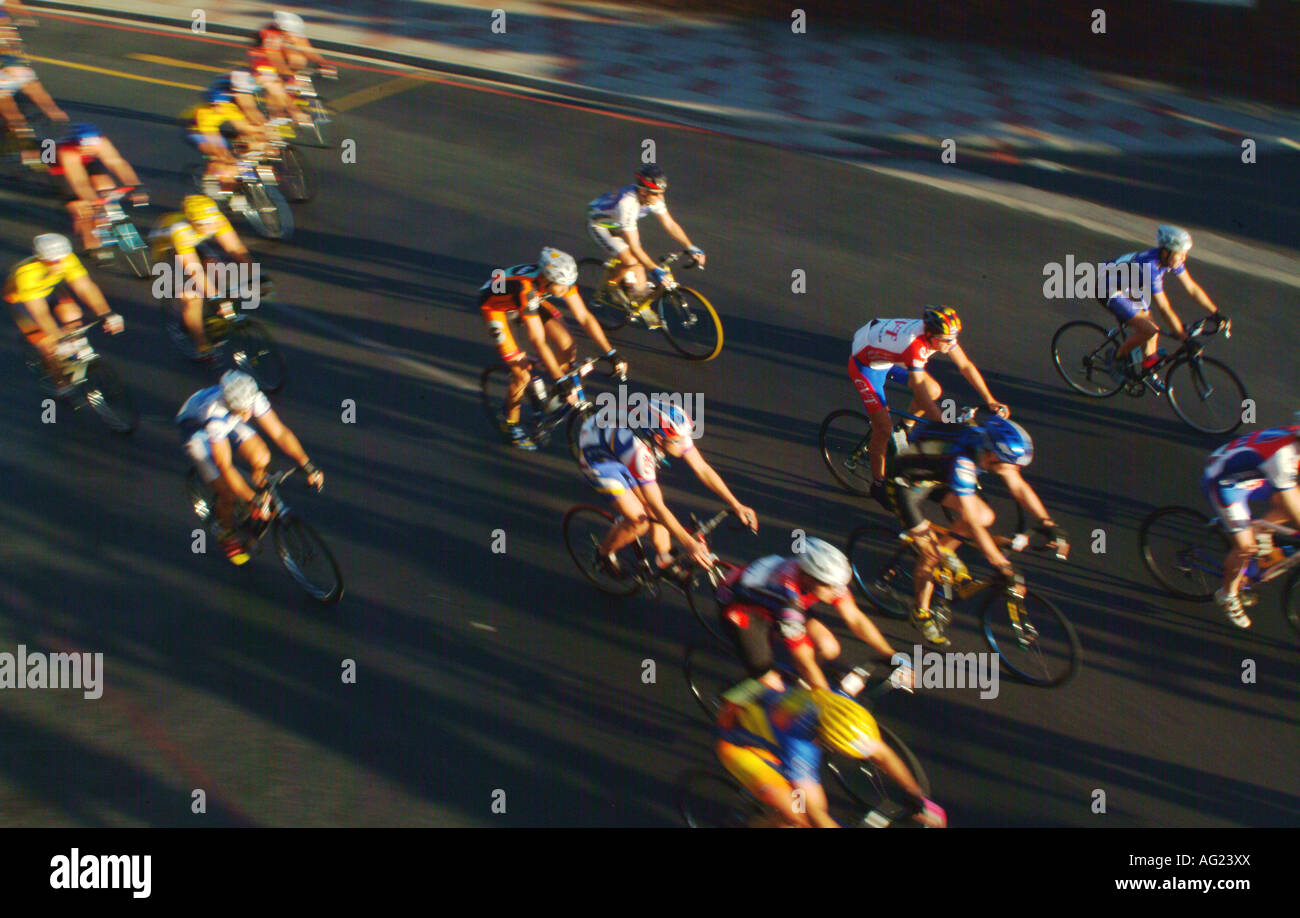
(173, 62)
(116, 73)
(374, 93)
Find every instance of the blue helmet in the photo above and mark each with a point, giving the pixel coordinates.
(667, 421)
(82, 132)
(1007, 440)
(217, 95)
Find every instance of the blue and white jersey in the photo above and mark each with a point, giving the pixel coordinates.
(621, 210)
(205, 413)
(1146, 260)
(1256, 466)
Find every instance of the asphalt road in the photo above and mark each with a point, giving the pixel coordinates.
(482, 672)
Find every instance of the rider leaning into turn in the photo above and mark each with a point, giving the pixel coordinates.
(213, 420)
(772, 741)
(1129, 304)
(1259, 467)
(91, 166)
(612, 224)
(519, 293)
(943, 463)
(898, 350)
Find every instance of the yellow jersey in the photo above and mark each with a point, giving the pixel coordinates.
(176, 234)
(33, 279)
(208, 119)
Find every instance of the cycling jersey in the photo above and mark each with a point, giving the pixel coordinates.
(940, 459)
(621, 210)
(1250, 468)
(1123, 299)
(615, 460)
(33, 279)
(204, 418)
(15, 73)
(268, 39)
(520, 295)
(173, 233)
(887, 349)
(208, 119)
(776, 725)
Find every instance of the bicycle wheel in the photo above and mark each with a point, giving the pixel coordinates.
(307, 559)
(175, 329)
(1206, 395)
(1038, 645)
(708, 675)
(202, 498)
(869, 785)
(882, 570)
(576, 419)
(701, 596)
(596, 294)
(108, 396)
(715, 800)
(844, 437)
(322, 129)
(269, 214)
(253, 350)
(1291, 602)
(1183, 550)
(691, 323)
(132, 249)
(295, 176)
(584, 529)
(494, 384)
(1082, 352)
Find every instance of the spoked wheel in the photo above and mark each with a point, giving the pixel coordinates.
(1184, 549)
(691, 323)
(307, 559)
(867, 783)
(132, 249)
(295, 176)
(598, 296)
(109, 398)
(714, 800)
(1082, 352)
(701, 596)
(253, 350)
(844, 437)
(882, 570)
(709, 672)
(1291, 602)
(269, 214)
(1206, 395)
(1033, 637)
(584, 529)
(494, 385)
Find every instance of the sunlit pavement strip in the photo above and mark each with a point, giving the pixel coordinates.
(117, 73)
(375, 93)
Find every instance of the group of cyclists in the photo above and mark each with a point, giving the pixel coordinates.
(46, 290)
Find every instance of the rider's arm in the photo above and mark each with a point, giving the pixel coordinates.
(234, 246)
(222, 460)
(674, 229)
(805, 661)
(90, 294)
(75, 172)
(897, 771)
(586, 319)
(282, 437)
(252, 114)
(1197, 292)
(36, 92)
(973, 376)
(1290, 499)
(862, 627)
(654, 498)
(1023, 494)
(303, 47)
(536, 332)
(713, 481)
(1162, 303)
(982, 537)
(114, 162)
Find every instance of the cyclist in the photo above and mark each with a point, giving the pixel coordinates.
(612, 224)
(519, 293)
(943, 463)
(205, 123)
(621, 462)
(772, 741)
(898, 350)
(213, 419)
(280, 50)
(91, 166)
(1128, 303)
(30, 285)
(17, 75)
(179, 235)
(242, 88)
(1259, 467)
(776, 590)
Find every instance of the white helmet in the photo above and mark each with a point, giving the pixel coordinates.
(51, 247)
(289, 22)
(238, 390)
(1173, 238)
(825, 563)
(558, 267)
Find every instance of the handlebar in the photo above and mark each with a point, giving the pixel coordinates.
(686, 258)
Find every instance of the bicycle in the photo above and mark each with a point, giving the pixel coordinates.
(257, 196)
(687, 319)
(115, 231)
(89, 379)
(302, 89)
(250, 346)
(303, 553)
(585, 528)
(1083, 353)
(1183, 549)
(541, 411)
(1032, 637)
(293, 174)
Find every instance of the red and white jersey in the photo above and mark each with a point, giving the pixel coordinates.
(892, 342)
